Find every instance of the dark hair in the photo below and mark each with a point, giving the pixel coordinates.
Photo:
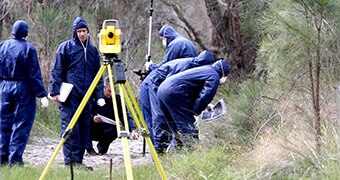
(107, 81)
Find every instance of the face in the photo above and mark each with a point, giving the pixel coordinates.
(223, 79)
(163, 39)
(107, 91)
(82, 34)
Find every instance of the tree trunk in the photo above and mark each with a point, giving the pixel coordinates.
(229, 37)
(0, 29)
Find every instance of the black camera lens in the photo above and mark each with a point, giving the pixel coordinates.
(110, 34)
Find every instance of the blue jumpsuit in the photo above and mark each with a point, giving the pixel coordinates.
(177, 47)
(188, 93)
(161, 130)
(21, 84)
(77, 65)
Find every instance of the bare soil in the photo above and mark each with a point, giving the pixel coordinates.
(39, 152)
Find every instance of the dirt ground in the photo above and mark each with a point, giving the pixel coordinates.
(39, 152)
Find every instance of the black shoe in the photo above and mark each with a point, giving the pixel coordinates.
(160, 152)
(102, 149)
(80, 166)
(91, 151)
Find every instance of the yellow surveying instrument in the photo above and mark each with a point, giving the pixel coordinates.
(109, 37)
(109, 46)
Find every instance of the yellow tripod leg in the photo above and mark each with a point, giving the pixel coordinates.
(139, 112)
(125, 134)
(131, 98)
(74, 119)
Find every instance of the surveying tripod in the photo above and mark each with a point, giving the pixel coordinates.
(114, 65)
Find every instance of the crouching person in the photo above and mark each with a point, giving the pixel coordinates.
(102, 130)
(186, 94)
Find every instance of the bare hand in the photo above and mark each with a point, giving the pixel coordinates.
(97, 119)
(55, 98)
(134, 135)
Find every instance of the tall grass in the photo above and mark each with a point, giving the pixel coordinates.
(47, 121)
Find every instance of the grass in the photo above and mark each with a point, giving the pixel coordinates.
(200, 164)
(29, 173)
(225, 153)
(47, 121)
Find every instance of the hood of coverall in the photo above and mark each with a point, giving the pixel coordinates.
(78, 23)
(205, 57)
(20, 29)
(218, 67)
(169, 33)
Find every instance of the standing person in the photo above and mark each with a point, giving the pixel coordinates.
(161, 132)
(177, 47)
(21, 83)
(103, 132)
(187, 94)
(77, 61)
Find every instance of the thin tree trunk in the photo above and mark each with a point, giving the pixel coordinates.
(317, 89)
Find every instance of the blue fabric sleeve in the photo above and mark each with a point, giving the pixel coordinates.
(35, 77)
(206, 95)
(100, 86)
(57, 71)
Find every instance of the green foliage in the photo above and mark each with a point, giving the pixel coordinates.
(250, 10)
(47, 121)
(200, 164)
(54, 25)
(247, 109)
(31, 173)
(290, 41)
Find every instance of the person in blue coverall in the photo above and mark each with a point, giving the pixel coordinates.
(162, 134)
(186, 94)
(21, 83)
(77, 61)
(103, 132)
(177, 47)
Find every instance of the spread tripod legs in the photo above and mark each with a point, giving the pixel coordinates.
(123, 134)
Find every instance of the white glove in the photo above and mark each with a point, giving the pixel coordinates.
(101, 102)
(147, 65)
(210, 107)
(44, 102)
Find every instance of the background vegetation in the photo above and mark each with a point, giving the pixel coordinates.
(282, 94)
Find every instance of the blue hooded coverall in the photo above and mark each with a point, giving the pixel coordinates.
(21, 84)
(177, 47)
(188, 93)
(160, 129)
(78, 65)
